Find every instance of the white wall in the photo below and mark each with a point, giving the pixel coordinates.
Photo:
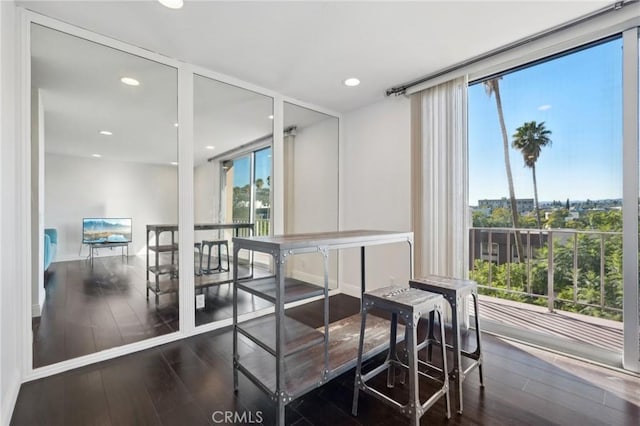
(315, 177)
(314, 201)
(375, 191)
(12, 235)
(77, 187)
(206, 192)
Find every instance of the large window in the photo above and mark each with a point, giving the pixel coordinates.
(250, 178)
(546, 188)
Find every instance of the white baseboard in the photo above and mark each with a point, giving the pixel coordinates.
(68, 258)
(10, 397)
(97, 256)
(313, 279)
(350, 290)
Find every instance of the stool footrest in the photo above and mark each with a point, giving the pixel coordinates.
(470, 368)
(382, 397)
(379, 369)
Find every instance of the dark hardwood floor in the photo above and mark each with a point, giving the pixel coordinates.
(88, 309)
(190, 383)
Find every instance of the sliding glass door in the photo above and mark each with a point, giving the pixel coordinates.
(262, 191)
(550, 156)
(240, 175)
(247, 179)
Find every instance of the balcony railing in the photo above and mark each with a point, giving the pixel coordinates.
(261, 227)
(568, 269)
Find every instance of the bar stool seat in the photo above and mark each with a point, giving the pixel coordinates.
(218, 244)
(410, 304)
(454, 291)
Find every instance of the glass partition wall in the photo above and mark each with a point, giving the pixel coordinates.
(104, 155)
(233, 135)
(310, 151)
(109, 177)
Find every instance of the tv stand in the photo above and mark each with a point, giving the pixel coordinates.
(95, 246)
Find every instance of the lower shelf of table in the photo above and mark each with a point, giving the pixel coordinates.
(166, 285)
(303, 370)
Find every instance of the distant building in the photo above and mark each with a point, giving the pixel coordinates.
(573, 215)
(524, 205)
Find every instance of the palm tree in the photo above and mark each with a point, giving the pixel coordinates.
(529, 139)
(492, 87)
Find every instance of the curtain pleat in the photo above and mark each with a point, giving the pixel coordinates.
(439, 179)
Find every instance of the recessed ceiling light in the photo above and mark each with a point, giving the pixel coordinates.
(174, 163)
(105, 132)
(210, 147)
(96, 155)
(172, 4)
(130, 81)
(175, 124)
(351, 82)
(271, 117)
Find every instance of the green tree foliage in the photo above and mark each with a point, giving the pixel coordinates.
(507, 280)
(557, 219)
(529, 139)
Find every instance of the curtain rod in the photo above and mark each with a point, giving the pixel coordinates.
(245, 146)
(401, 89)
(242, 147)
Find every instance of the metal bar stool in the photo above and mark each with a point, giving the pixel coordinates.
(218, 244)
(198, 248)
(454, 291)
(411, 304)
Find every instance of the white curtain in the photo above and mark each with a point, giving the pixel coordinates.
(439, 179)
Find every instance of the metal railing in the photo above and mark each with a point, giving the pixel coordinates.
(261, 227)
(484, 242)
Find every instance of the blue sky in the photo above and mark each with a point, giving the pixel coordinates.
(263, 168)
(579, 97)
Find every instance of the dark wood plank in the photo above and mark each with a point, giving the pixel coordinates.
(85, 400)
(297, 336)
(304, 369)
(294, 289)
(88, 309)
(129, 401)
(184, 382)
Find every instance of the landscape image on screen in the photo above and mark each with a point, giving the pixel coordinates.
(106, 230)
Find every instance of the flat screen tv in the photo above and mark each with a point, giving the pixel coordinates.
(97, 230)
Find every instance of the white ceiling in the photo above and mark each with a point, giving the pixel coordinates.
(303, 50)
(306, 49)
(81, 92)
(82, 95)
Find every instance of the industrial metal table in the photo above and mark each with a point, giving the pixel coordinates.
(304, 358)
(158, 286)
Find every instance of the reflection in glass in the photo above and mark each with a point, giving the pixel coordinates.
(262, 197)
(232, 196)
(310, 186)
(241, 171)
(103, 162)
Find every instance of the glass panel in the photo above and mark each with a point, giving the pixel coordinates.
(639, 167)
(232, 188)
(547, 223)
(104, 157)
(262, 197)
(241, 172)
(310, 186)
